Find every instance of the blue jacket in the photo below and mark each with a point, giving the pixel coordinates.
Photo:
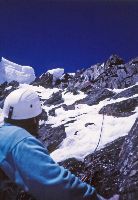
(26, 162)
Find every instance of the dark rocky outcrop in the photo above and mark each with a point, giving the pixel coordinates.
(55, 99)
(65, 80)
(52, 137)
(45, 80)
(69, 122)
(6, 89)
(75, 166)
(52, 112)
(120, 109)
(113, 60)
(118, 76)
(97, 95)
(99, 169)
(127, 93)
(89, 124)
(128, 165)
(43, 118)
(14, 84)
(68, 107)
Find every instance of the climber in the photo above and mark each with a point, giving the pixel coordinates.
(24, 159)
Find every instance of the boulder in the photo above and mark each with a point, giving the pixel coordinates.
(52, 112)
(89, 124)
(44, 115)
(68, 107)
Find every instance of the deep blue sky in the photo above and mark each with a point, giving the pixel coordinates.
(69, 34)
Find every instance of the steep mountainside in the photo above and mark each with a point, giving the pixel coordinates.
(90, 123)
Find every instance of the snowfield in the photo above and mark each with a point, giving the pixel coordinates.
(82, 140)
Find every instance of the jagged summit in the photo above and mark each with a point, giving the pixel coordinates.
(114, 60)
(113, 73)
(10, 71)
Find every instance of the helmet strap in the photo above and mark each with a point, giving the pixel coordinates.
(10, 112)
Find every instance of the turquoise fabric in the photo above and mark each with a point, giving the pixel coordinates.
(24, 159)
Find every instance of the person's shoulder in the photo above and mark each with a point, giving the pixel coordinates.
(11, 135)
(11, 127)
(14, 132)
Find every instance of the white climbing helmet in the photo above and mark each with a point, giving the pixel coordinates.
(22, 104)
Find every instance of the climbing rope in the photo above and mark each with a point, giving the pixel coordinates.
(101, 131)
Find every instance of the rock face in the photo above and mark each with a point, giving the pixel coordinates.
(44, 80)
(127, 93)
(96, 96)
(50, 78)
(99, 169)
(55, 99)
(114, 73)
(128, 165)
(121, 109)
(114, 60)
(113, 169)
(51, 137)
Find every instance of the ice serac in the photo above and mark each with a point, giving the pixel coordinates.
(57, 73)
(10, 71)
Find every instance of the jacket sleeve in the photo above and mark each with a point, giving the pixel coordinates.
(44, 178)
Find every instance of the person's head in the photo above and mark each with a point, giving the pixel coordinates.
(22, 108)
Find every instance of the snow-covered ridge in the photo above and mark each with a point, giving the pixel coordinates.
(10, 71)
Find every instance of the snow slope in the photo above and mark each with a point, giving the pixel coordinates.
(10, 71)
(82, 140)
